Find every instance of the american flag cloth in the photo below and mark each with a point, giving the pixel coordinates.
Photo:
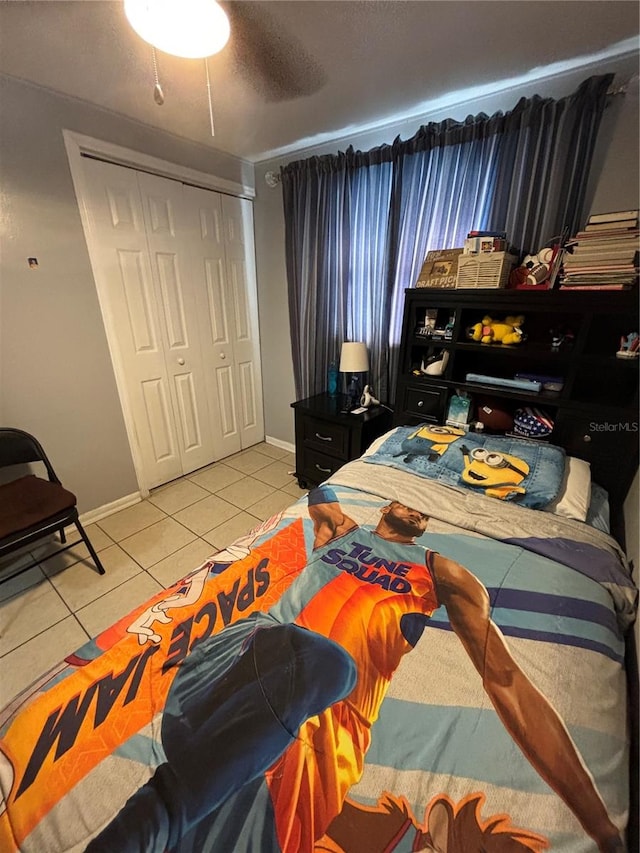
(532, 423)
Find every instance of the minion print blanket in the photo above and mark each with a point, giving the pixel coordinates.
(510, 469)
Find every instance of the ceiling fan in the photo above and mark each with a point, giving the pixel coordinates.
(269, 58)
(274, 63)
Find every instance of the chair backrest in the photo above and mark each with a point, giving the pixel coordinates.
(18, 447)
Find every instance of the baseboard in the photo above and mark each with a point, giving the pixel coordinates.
(101, 512)
(283, 445)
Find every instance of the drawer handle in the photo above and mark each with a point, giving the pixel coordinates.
(420, 403)
(324, 437)
(324, 470)
(586, 438)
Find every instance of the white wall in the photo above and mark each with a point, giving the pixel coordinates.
(617, 168)
(56, 378)
(614, 186)
(618, 189)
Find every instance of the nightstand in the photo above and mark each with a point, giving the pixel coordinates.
(326, 438)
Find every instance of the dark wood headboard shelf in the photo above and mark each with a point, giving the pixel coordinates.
(595, 413)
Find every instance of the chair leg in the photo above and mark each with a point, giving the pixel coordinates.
(86, 541)
(63, 538)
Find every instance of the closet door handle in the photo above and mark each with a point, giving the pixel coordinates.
(181, 361)
(324, 437)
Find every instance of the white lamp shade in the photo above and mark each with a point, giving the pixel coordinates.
(191, 29)
(354, 358)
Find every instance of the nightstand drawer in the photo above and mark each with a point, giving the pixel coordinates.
(317, 467)
(427, 403)
(326, 437)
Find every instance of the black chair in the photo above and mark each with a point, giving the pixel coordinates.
(32, 507)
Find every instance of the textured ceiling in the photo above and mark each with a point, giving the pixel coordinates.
(296, 71)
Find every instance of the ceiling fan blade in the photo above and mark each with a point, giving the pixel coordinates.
(271, 61)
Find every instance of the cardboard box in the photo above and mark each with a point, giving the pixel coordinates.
(440, 268)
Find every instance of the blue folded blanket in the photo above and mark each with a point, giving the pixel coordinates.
(498, 466)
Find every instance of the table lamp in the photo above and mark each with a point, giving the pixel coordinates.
(354, 360)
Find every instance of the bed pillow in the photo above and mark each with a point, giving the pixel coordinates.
(511, 469)
(575, 492)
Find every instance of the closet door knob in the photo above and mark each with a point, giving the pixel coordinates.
(223, 355)
(181, 361)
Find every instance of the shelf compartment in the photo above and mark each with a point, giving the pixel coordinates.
(605, 335)
(505, 406)
(481, 361)
(539, 351)
(542, 398)
(419, 355)
(601, 383)
(539, 326)
(430, 324)
(426, 382)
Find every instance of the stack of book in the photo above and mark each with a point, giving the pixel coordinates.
(605, 255)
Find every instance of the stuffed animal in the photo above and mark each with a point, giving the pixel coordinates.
(629, 346)
(490, 331)
(534, 270)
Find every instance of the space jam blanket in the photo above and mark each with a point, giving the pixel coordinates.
(301, 692)
(504, 467)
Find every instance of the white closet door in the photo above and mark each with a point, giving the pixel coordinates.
(222, 234)
(127, 293)
(177, 283)
(175, 272)
(241, 277)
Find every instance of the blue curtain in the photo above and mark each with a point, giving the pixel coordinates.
(358, 224)
(440, 194)
(337, 253)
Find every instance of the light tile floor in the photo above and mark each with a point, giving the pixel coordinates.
(52, 609)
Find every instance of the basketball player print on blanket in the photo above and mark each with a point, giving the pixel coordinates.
(271, 686)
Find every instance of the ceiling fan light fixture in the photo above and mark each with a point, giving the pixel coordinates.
(192, 29)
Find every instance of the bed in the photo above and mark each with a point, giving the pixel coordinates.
(425, 653)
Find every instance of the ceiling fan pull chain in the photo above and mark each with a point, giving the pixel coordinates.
(158, 94)
(206, 68)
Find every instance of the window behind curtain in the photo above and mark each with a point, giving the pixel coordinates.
(441, 195)
(361, 239)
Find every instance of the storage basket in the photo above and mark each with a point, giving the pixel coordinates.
(490, 269)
